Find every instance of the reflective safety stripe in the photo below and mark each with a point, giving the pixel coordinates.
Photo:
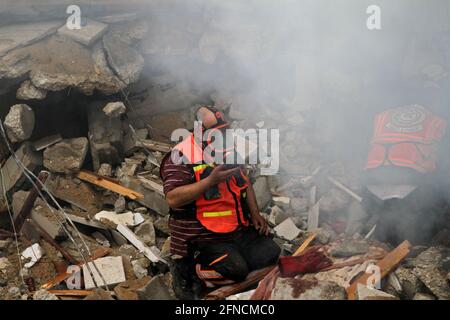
(201, 166)
(217, 214)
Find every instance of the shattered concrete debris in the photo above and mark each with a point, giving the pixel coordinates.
(304, 289)
(350, 248)
(128, 218)
(146, 232)
(120, 204)
(33, 253)
(46, 142)
(428, 268)
(155, 289)
(18, 35)
(90, 32)
(114, 109)
(111, 269)
(128, 290)
(277, 215)
(43, 294)
(66, 156)
(75, 192)
(365, 293)
(27, 91)
(19, 123)
(287, 230)
(409, 282)
(99, 294)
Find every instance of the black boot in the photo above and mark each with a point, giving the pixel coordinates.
(186, 284)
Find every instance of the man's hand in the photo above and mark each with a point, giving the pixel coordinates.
(260, 223)
(220, 173)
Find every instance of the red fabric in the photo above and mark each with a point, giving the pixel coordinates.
(406, 137)
(309, 262)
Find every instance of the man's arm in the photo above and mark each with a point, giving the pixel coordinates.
(258, 221)
(184, 195)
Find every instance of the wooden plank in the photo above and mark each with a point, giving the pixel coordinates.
(108, 184)
(386, 265)
(74, 293)
(98, 253)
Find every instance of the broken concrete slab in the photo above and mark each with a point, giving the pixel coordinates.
(13, 176)
(139, 270)
(128, 290)
(287, 230)
(19, 123)
(75, 192)
(365, 293)
(18, 35)
(146, 232)
(128, 218)
(152, 253)
(90, 32)
(428, 268)
(305, 289)
(409, 282)
(27, 91)
(43, 294)
(282, 202)
(350, 248)
(114, 109)
(124, 60)
(46, 142)
(155, 289)
(66, 156)
(111, 268)
(151, 199)
(277, 215)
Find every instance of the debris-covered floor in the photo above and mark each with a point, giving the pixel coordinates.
(91, 116)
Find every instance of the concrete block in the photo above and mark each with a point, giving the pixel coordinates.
(66, 156)
(89, 33)
(19, 123)
(287, 230)
(111, 269)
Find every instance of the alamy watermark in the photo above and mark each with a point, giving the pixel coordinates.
(256, 146)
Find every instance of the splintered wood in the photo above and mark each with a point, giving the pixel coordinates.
(386, 265)
(108, 184)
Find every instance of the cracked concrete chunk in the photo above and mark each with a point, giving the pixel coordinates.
(17, 35)
(27, 91)
(89, 33)
(155, 289)
(428, 268)
(28, 157)
(111, 268)
(44, 295)
(19, 123)
(146, 232)
(126, 62)
(304, 289)
(66, 156)
(114, 109)
(287, 230)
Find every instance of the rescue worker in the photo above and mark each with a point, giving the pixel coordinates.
(215, 224)
(403, 175)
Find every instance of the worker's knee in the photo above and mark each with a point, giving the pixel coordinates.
(266, 254)
(234, 267)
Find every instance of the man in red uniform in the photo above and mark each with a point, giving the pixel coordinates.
(215, 224)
